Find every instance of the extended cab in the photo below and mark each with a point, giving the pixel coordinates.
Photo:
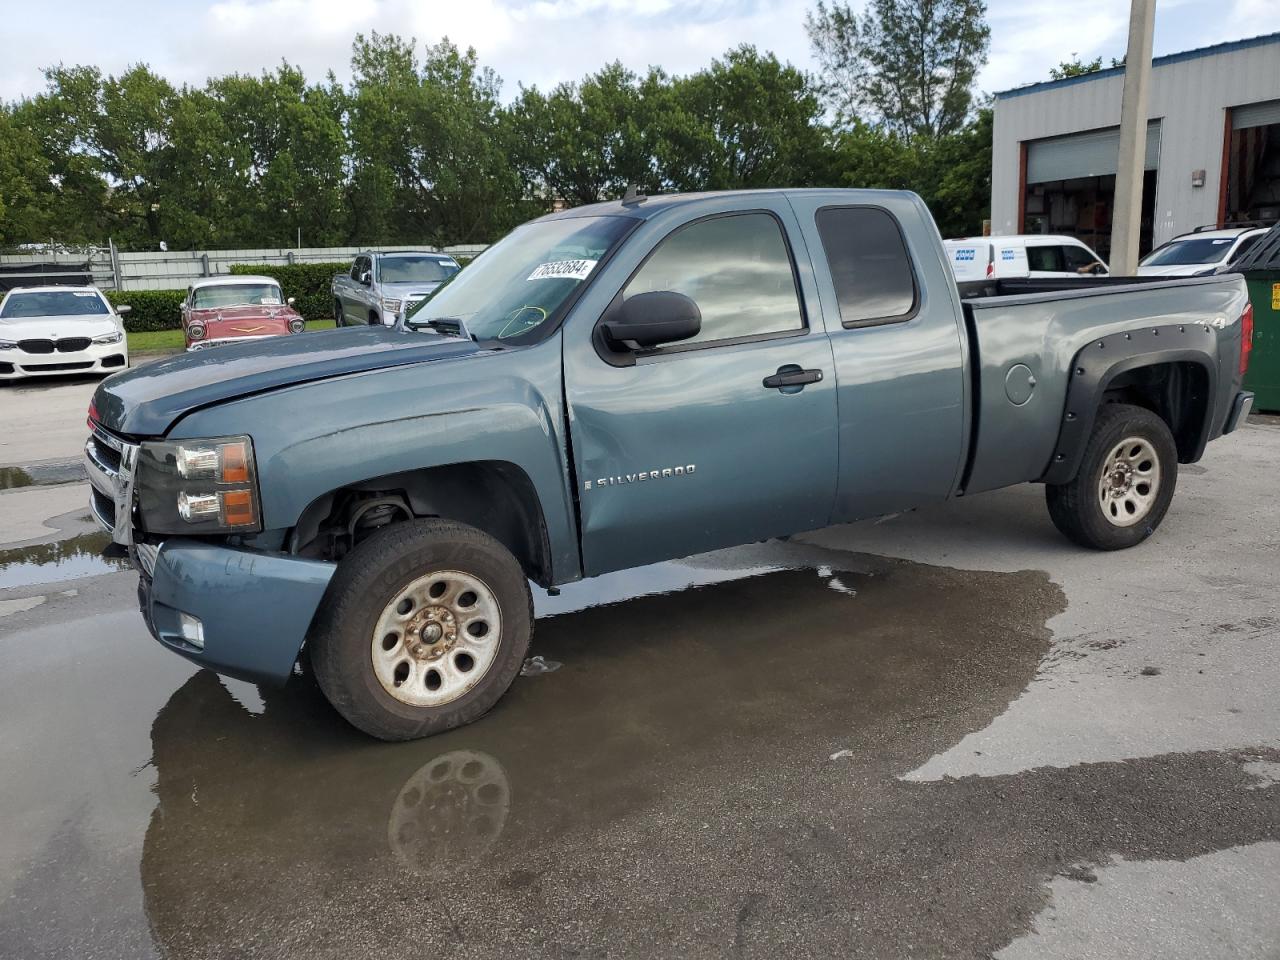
(381, 287)
(621, 384)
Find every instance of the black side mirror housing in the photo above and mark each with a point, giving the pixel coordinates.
(649, 320)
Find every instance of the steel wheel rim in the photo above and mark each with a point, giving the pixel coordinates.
(1130, 482)
(436, 638)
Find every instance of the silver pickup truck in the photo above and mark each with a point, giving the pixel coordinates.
(381, 286)
(621, 384)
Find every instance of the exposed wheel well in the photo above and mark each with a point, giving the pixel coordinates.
(492, 495)
(1176, 392)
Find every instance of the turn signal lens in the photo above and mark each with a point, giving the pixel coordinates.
(237, 508)
(235, 463)
(1246, 338)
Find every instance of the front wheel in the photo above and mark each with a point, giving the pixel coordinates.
(1125, 483)
(424, 627)
(339, 315)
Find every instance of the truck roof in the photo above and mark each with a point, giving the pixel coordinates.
(645, 207)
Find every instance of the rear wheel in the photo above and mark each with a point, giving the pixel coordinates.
(424, 627)
(1125, 483)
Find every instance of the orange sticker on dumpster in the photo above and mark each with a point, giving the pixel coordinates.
(1275, 296)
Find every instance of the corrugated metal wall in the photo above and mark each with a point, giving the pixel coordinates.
(1190, 94)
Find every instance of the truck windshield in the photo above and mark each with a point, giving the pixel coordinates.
(54, 303)
(1186, 252)
(415, 270)
(516, 285)
(236, 295)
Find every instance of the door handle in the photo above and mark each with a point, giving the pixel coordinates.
(791, 376)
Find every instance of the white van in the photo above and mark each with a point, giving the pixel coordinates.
(1023, 255)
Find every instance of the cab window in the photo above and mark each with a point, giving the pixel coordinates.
(1077, 258)
(869, 264)
(738, 271)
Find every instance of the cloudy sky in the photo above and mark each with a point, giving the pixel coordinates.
(545, 41)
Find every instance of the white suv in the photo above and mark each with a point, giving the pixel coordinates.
(60, 330)
(1199, 254)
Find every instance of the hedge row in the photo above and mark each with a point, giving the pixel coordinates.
(152, 309)
(311, 284)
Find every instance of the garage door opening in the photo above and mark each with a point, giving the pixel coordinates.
(1069, 186)
(1251, 165)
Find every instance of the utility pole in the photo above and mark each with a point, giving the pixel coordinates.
(1126, 218)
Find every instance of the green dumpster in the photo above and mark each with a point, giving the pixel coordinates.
(1261, 269)
(1263, 377)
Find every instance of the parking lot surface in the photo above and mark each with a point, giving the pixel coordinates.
(945, 734)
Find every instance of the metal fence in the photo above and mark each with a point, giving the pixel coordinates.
(111, 269)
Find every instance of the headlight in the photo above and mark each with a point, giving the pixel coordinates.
(196, 331)
(297, 325)
(114, 337)
(391, 305)
(8, 345)
(198, 486)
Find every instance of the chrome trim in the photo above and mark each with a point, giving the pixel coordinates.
(113, 482)
(147, 554)
(206, 344)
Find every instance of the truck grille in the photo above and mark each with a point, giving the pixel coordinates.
(109, 463)
(69, 345)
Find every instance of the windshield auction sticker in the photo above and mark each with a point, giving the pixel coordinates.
(563, 270)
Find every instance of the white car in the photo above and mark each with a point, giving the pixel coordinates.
(1036, 255)
(1199, 254)
(60, 330)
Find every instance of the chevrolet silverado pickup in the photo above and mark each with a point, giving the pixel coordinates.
(620, 384)
(381, 287)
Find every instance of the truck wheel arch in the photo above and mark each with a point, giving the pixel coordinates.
(494, 496)
(1171, 370)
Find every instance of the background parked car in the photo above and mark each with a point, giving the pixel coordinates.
(381, 287)
(57, 330)
(232, 309)
(1022, 255)
(1199, 254)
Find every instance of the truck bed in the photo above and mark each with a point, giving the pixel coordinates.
(1035, 330)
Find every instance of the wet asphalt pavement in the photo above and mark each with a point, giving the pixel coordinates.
(949, 734)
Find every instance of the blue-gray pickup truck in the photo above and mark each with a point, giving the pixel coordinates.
(620, 384)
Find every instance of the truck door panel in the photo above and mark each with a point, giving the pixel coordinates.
(898, 349)
(686, 449)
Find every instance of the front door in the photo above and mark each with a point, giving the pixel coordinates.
(727, 438)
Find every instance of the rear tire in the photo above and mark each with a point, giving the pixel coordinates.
(423, 628)
(1125, 483)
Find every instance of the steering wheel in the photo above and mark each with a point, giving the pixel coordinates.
(521, 320)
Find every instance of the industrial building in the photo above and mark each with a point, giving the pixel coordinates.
(1212, 155)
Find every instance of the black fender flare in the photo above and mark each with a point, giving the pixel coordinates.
(1096, 365)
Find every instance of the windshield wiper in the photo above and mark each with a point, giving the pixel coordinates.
(448, 326)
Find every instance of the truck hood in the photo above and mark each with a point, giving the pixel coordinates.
(147, 400)
(1177, 270)
(406, 291)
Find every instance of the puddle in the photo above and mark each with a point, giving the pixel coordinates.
(68, 559)
(13, 477)
(710, 765)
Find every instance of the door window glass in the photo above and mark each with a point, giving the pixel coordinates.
(735, 268)
(869, 264)
(1045, 259)
(1077, 259)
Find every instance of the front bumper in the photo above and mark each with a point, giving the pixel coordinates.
(253, 608)
(97, 358)
(222, 341)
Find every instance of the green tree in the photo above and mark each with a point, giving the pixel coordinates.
(911, 64)
(1075, 67)
(26, 187)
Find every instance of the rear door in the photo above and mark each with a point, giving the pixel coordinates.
(697, 445)
(898, 350)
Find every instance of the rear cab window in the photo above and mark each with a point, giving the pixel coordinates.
(870, 267)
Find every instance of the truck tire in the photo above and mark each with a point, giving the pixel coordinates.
(374, 319)
(1125, 483)
(339, 316)
(423, 628)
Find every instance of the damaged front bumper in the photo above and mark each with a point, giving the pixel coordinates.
(242, 613)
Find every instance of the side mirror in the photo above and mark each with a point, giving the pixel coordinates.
(651, 319)
(291, 301)
(123, 309)
(366, 278)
